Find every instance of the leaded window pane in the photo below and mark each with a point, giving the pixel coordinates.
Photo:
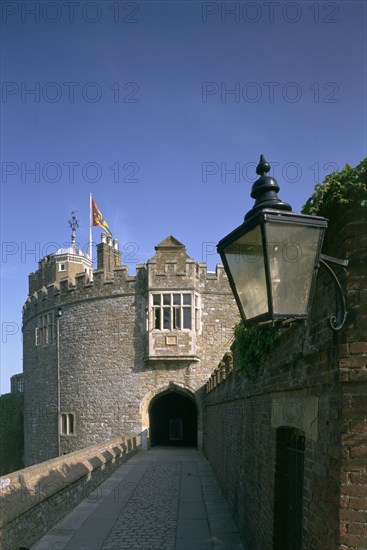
(187, 317)
(167, 318)
(63, 424)
(157, 318)
(177, 318)
(71, 423)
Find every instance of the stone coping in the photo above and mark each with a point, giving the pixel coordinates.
(23, 489)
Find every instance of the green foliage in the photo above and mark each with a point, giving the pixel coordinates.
(11, 433)
(341, 190)
(252, 346)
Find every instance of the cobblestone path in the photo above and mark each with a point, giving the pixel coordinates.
(161, 499)
(149, 518)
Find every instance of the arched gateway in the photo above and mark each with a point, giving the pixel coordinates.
(173, 420)
(172, 416)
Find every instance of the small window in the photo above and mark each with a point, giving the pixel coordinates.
(67, 424)
(71, 423)
(64, 424)
(62, 267)
(50, 327)
(44, 331)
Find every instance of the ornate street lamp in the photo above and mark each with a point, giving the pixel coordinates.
(271, 260)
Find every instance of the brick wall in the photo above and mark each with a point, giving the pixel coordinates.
(353, 376)
(314, 381)
(34, 499)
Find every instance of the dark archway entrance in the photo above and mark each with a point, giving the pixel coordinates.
(173, 420)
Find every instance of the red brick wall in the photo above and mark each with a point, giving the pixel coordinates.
(309, 360)
(353, 376)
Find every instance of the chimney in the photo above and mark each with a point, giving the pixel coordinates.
(108, 256)
(116, 253)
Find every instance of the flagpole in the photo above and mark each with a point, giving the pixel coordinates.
(90, 227)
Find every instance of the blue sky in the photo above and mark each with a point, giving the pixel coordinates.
(161, 110)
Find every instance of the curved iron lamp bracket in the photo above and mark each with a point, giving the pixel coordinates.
(336, 321)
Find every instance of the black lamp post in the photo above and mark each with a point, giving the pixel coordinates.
(271, 260)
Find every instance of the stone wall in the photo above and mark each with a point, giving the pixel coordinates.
(106, 362)
(34, 499)
(11, 432)
(315, 382)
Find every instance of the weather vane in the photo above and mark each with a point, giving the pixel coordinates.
(74, 224)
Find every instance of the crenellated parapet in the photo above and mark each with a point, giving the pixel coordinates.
(192, 275)
(104, 284)
(66, 291)
(95, 343)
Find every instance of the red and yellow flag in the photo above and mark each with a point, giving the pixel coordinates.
(98, 218)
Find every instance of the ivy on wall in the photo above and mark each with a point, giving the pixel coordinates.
(251, 346)
(341, 191)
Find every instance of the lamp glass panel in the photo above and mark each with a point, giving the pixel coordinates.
(245, 260)
(292, 251)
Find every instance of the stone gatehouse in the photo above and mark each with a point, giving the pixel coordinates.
(107, 353)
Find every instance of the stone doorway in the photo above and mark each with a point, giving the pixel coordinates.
(173, 420)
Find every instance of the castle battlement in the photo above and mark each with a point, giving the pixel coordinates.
(96, 343)
(170, 268)
(120, 282)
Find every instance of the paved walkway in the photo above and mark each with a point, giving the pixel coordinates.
(161, 499)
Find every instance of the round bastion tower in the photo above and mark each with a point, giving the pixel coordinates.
(107, 353)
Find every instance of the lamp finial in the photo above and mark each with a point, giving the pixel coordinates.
(263, 167)
(265, 190)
